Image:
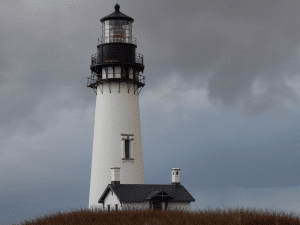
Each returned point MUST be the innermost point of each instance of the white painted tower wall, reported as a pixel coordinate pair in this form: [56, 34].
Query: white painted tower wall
[115, 113]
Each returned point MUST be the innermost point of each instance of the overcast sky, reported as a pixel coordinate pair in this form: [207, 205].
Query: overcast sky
[221, 101]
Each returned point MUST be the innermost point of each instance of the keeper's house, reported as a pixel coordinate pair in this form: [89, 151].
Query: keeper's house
[172, 196]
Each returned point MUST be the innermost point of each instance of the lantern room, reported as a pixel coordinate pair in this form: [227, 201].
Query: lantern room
[117, 27]
[116, 59]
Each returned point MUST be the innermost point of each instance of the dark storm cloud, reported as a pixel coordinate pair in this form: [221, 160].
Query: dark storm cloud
[225, 45]
[41, 57]
[233, 44]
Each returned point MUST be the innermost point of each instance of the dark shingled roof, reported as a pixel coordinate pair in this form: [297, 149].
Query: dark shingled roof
[116, 15]
[144, 192]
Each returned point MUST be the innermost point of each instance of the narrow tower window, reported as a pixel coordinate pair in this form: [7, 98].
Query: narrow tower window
[126, 146]
[126, 149]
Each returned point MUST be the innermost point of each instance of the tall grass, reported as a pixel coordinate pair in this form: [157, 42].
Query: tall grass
[235, 216]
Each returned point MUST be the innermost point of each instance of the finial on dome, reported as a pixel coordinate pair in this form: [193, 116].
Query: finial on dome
[117, 7]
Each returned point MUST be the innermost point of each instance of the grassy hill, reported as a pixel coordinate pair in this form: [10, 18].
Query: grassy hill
[155, 217]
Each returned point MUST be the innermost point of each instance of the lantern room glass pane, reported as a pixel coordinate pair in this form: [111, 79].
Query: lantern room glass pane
[128, 31]
[118, 31]
[106, 23]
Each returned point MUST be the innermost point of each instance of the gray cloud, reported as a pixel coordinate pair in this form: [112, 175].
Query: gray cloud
[239, 53]
[224, 46]
[234, 45]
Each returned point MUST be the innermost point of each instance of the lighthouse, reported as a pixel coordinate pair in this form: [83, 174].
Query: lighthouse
[117, 79]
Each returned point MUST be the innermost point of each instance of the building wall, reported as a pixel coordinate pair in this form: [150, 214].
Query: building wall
[139, 206]
[171, 206]
[111, 199]
[180, 206]
[115, 113]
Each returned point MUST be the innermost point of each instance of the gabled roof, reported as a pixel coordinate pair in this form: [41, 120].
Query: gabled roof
[144, 192]
[116, 15]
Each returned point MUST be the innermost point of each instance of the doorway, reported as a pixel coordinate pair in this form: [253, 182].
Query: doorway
[156, 204]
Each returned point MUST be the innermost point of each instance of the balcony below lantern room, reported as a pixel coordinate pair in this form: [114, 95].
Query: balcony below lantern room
[116, 74]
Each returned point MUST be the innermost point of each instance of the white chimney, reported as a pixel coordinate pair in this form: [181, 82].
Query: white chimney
[115, 175]
[175, 177]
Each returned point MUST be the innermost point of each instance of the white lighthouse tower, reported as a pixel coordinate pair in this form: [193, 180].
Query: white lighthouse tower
[117, 80]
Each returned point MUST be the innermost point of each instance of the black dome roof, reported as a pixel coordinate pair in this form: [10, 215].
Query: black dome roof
[116, 15]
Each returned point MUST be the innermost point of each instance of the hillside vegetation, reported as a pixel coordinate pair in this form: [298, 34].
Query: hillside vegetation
[156, 217]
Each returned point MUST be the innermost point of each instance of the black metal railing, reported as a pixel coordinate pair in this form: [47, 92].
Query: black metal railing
[139, 58]
[94, 78]
[90, 80]
[116, 39]
[94, 59]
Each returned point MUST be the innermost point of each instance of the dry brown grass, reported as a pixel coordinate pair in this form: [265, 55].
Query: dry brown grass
[153, 217]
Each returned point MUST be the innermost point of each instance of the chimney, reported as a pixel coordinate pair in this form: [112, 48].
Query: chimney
[115, 176]
[176, 177]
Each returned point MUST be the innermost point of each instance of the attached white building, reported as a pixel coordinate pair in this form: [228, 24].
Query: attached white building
[172, 196]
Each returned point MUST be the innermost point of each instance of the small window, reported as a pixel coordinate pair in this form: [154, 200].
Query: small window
[108, 207]
[126, 149]
[177, 173]
[116, 207]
